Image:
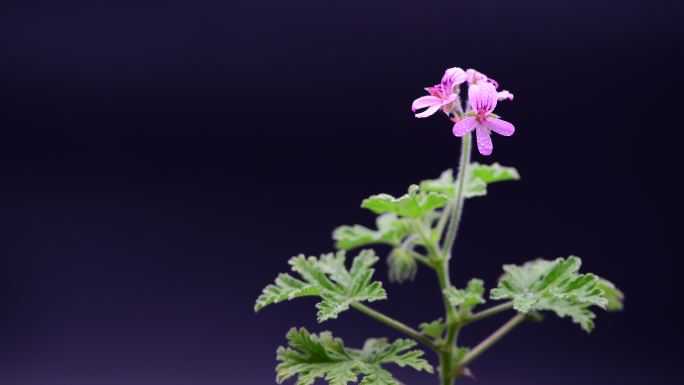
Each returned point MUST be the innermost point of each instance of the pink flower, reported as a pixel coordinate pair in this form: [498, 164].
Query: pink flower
[453, 77]
[442, 95]
[482, 97]
[475, 77]
[503, 95]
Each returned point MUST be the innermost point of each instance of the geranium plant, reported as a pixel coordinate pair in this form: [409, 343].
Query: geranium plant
[421, 227]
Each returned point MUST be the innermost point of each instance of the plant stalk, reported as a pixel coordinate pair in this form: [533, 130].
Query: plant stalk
[394, 324]
[446, 364]
[488, 312]
[459, 196]
[492, 339]
[445, 357]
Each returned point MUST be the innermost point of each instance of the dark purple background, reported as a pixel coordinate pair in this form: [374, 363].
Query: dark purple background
[161, 161]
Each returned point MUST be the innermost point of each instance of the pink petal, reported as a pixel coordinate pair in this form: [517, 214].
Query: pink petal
[464, 126]
[454, 76]
[494, 82]
[450, 99]
[425, 101]
[504, 95]
[429, 111]
[484, 141]
[474, 76]
[482, 97]
[501, 127]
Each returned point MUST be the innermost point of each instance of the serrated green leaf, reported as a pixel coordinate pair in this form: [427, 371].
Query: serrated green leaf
[613, 294]
[478, 177]
[328, 278]
[492, 173]
[379, 376]
[310, 356]
[286, 287]
[466, 299]
[380, 351]
[391, 230]
[402, 266]
[443, 185]
[434, 329]
[412, 205]
[578, 312]
[552, 285]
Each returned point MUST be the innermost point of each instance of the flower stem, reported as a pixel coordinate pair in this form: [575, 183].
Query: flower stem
[459, 196]
[492, 339]
[446, 364]
[394, 324]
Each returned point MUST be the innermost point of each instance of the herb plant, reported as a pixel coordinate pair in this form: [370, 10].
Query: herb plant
[421, 227]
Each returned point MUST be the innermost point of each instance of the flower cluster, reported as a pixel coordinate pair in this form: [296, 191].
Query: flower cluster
[478, 116]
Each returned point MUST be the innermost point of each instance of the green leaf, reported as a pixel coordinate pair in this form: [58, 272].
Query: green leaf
[391, 230]
[577, 311]
[466, 299]
[553, 285]
[412, 205]
[443, 185]
[402, 266]
[478, 177]
[492, 173]
[457, 357]
[328, 278]
[459, 353]
[613, 294]
[378, 351]
[286, 287]
[310, 356]
[434, 329]
[379, 376]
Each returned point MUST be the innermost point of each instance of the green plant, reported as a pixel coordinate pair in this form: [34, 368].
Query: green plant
[421, 227]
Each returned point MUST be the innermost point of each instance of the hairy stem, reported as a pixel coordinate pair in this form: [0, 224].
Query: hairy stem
[492, 339]
[459, 196]
[394, 324]
[445, 358]
[488, 312]
[447, 372]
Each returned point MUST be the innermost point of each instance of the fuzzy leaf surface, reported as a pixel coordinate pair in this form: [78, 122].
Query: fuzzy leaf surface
[477, 179]
[555, 286]
[434, 329]
[466, 299]
[414, 204]
[613, 294]
[309, 357]
[390, 230]
[328, 278]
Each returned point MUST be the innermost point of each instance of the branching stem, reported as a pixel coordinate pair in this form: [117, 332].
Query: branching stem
[446, 364]
[394, 324]
[492, 339]
[420, 258]
[488, 312]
